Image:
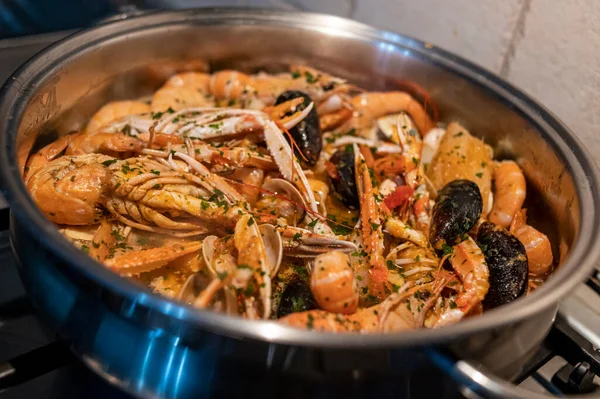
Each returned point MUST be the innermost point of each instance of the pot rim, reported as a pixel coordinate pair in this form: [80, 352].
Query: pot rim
[17, 91]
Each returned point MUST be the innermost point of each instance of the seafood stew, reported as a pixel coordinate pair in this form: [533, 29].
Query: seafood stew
[298, 197]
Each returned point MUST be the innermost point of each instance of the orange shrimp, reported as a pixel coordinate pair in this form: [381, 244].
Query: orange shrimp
[194, 80]
[47, 154]
[373, 105]
[103, 143]
[178, 98]
[537, 245]
[509, 193]
[113, 111]
[228, 84]
[333, 284]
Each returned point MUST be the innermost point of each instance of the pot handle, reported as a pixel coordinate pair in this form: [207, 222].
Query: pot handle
[477, 382]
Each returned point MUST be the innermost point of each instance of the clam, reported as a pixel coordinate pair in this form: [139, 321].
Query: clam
[224, 300]
[273, 246]
[271, 240]
[287, 189]
[389, 125]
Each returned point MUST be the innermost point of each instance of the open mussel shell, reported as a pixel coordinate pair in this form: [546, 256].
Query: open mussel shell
[307, 133]
[506, 259]
[343, 182]
[456, 210]
[287, 189]
[273, 247]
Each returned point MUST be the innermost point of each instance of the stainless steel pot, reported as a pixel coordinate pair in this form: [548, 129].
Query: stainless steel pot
[155, 347]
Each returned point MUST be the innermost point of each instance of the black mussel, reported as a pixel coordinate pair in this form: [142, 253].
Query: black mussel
[342, 178]
[507, 261]
[307, 133]
[455, 212]
[296, 297]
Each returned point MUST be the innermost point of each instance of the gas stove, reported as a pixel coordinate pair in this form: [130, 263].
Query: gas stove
[35, 363]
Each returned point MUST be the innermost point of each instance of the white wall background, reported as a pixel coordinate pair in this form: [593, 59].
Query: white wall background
[549, 48]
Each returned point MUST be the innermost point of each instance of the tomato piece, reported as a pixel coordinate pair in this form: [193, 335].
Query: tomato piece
[400, 195]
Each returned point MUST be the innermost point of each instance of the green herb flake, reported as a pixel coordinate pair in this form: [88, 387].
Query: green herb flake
[310, 323]
[222, 275]
[310, 77]
[313, 223]
[109, 162]
[446, 249]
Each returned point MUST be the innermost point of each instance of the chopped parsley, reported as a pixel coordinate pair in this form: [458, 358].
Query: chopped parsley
[310, 78]
[109, 162]
[222, 275]
[118, 236]
[310, 323]
[446, 249]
